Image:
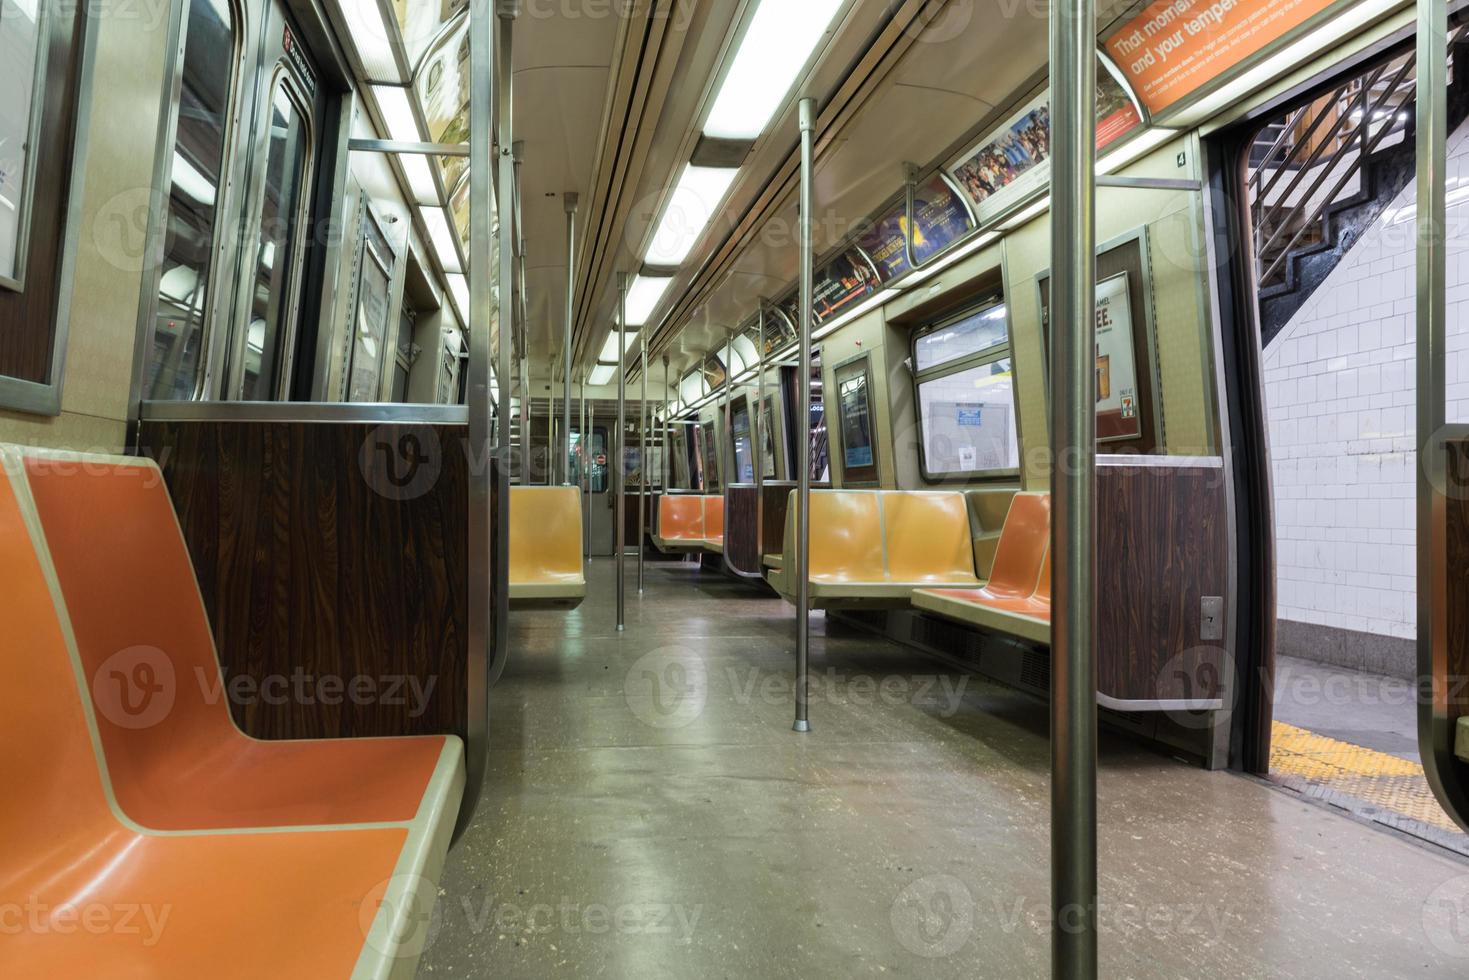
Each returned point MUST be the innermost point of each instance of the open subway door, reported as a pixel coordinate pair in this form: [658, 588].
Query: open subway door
[1443, 456]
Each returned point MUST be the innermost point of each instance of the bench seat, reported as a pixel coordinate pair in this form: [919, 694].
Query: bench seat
[1017, 598]
[690, 522]
[1461, 738]
[133, 788]
[873, 548]
[546, 547]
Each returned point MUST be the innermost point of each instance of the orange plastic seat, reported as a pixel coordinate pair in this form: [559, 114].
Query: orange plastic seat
[137, 617]
[1017, 598]
[103, 897]
[546, 546]
[714, 523]
[680, 523]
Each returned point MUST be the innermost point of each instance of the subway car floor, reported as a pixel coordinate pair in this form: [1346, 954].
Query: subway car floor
[650, 813]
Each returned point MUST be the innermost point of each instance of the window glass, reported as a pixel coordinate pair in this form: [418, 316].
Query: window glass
[767, 436]
[270, 313]
[859, 461]
[711, 462]
[21, 41]
[179, 335]
[968, 420]
[975, 334]
[599, 461]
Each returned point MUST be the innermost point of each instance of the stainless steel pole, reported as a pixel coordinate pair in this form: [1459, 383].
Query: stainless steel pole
[643, 462]
[667, 430]
[484, 606]
[1073, 531]
[760, 419]
[732, 460]
[525, 420]
[589, 410]
[619, 457]
[507, 11]
[802, 565]
[571, 201]
[551, 429]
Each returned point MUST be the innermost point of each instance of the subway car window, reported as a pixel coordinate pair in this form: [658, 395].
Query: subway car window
[186, 283]
[265, 343]
[22, 35]
[965, 381]
[370, 337]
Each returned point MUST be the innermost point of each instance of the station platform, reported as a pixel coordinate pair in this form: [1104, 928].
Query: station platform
[649, 812]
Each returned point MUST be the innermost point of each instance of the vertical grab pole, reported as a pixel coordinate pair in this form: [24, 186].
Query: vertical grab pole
[1073, 531]
[507, 11]
[759, 429]
[667, 431]
[571, 201]
[643, 463]
[589, 414]
[484, 608]
[619, 457]
[802, 567]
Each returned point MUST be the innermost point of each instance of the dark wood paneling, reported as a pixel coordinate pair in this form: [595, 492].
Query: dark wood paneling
[630, 515]
[1456, 566]
[1162, 545]
[776, 500]
[28, 318]
[742, 528]
[330, 550]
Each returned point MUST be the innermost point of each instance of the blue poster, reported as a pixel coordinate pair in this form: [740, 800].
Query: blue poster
[971, 415]
[940, 219]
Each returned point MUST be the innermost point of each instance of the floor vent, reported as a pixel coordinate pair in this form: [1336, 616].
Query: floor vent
[1035, 669]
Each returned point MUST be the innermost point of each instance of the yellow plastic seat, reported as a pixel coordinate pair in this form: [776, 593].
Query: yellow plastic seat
[546, 547]
[872, 548]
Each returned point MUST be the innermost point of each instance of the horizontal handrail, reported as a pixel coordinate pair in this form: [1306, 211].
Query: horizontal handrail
[304, 412]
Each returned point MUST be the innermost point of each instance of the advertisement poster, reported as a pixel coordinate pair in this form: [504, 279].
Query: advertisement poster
[856, 419]
[1117, 409]
[1006, 165]
[844, 282]
[939, 219]
[443, 91]
[1174, 48]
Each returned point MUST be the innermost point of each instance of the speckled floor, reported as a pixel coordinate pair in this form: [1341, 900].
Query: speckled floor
[649, 813]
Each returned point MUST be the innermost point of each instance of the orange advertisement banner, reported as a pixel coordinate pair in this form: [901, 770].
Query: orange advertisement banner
[1176, 47]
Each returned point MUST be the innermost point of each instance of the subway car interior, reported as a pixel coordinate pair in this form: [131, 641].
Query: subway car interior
[748, 488]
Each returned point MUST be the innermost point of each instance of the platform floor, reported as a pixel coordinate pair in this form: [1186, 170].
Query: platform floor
[649, 813]
[1349, 739]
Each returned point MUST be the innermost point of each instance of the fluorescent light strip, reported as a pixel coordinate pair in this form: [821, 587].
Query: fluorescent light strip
[644, 294]
[459, 291]
[771, 56]
[610, 353]
[444, 238]
[601, 374]
[866, 306]
[694, 203]
[369, 34]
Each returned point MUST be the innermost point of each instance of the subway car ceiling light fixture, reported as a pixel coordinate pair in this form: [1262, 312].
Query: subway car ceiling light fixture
[610, 353]
[372, 39]
[402, 124]
[771, 56]
[602, 374]
[644, 294]
[444, 240]
[459, 291]
[694, 203]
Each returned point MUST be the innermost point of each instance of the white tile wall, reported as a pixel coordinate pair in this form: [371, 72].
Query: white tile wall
[1339, 388]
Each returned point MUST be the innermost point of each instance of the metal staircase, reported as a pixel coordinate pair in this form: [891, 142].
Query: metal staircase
[1322, 174]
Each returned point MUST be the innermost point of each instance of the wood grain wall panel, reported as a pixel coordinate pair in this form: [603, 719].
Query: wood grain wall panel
[321, 553]
[630, 515]
[742, 529]
[1162, 546]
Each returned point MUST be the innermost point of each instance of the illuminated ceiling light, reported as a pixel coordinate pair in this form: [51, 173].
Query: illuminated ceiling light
[644, 294]
[443, 238]
[602, 374]
[610, 353]
[694, 203]
[398, 114]
[772, 54]
[459, 290]
[369, 34]
[1134, 149]
[189, 180]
